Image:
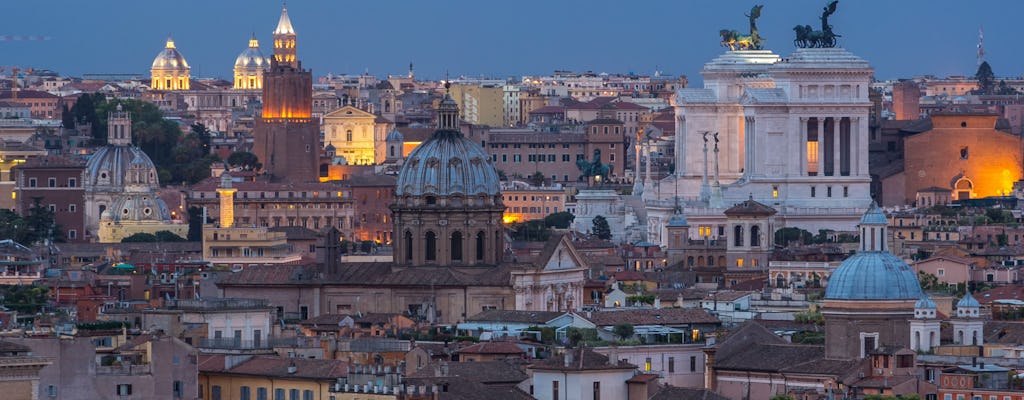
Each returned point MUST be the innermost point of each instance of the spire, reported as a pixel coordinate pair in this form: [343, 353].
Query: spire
[170, 42]
[284, 25]
[873, 229]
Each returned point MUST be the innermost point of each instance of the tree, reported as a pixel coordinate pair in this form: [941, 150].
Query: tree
[140, 237]
[532, 231]
[25, 299]
[573, 336]
[40, 223]
[927, 281]
[601, 228]
[559, 220]
[537, 179]
[168, 236]
[245, 160]
[623, 331]
[195, 224]
[787, 236]
[986, 79]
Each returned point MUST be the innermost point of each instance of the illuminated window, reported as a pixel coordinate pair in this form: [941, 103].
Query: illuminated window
[739, 262]
[775, 192]
[647, 365]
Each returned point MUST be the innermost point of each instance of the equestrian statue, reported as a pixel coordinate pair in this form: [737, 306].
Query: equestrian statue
[594, 169]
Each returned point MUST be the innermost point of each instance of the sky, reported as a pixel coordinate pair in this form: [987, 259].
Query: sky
[499, 39]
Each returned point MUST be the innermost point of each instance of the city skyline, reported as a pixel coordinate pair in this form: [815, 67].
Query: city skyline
[534, 38]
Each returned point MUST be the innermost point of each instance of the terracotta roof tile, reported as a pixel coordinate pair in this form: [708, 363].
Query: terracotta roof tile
[583, 359]
[492, 348]
[305, 368]
[651, 316]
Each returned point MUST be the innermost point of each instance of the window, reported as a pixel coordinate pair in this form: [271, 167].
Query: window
[125, 389]
[813, 191]
[293, 394]
[31, 182]
[597, 390]
[693, 363]
[178, 388]
[828, 191]
[671, 364]
[307, 395]
[72, 234]
[244, 393]
[348, 136]
[775, 192]
[215, 392]
[554, 389]
[51, 390]
[940, 272]
[279, 394]
[72, 208]
[51, 182]
[431, 247]
[647, 364]
[846, 191]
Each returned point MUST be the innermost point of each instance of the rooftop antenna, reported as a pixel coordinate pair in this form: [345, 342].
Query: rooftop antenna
[981, 45]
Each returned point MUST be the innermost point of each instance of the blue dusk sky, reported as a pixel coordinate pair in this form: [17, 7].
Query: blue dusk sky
[502, 38]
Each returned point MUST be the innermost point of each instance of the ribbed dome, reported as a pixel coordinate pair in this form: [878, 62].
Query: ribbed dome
[138, 207]
[873, 275]
[447, 164]
[107, 167]
[169, 58]
[968, 301]
[252, 57]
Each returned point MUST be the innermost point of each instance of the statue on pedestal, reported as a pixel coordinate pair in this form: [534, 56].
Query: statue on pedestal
[735, 40]
[807, 37]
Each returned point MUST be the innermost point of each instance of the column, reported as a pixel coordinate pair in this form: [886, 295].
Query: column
[821, 146]
[802, 145]
[836, 147]
[861, 133]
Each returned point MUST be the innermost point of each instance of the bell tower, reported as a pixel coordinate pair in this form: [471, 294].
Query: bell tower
[284, 41]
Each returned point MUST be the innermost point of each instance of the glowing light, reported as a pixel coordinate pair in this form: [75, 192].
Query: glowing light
[510, 218]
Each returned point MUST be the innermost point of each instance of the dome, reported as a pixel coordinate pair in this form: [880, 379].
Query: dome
[169, 58]
[142, 206]
[252, 57]
[107, 167]
[874, 216]
[446, 164]
[967, 301]
[925, 303]
[873, 275]
[394, 136]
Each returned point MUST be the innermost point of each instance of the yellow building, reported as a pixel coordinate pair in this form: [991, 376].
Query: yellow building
[271, 377]
[480, 105]
[524, 202]
[355, 135]
[170, 71]
[249, 67]
[225, 243]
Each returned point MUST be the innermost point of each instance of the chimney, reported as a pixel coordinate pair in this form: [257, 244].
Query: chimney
[613, 355]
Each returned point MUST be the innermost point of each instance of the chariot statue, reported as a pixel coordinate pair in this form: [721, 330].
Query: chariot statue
[735, 40]
[807, 37]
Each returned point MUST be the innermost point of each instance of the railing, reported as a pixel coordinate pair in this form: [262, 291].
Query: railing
[141, 369]
[234, 344]
[218, 304]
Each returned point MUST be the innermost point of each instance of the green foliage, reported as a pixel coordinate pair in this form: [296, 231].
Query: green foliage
[140, 237]
[84, 112]
[641, 298]
[547, 334]
[100, 325]
[623, 331]
[502, 176]
[601, 228]
[168, 236]
[986, 79]
[559, 220]
[810, 316]
[999, 215]
[537, 178]
[245, 160]
[195, 224]
[531, 231]
[786, 236]
[35, 227]
[25, 299]
[574, 336]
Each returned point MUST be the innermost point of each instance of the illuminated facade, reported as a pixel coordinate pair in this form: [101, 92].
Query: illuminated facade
[286, 138]
[170, 71]
[226, 243]
[249, 67]
[964, 153]
[354, 134]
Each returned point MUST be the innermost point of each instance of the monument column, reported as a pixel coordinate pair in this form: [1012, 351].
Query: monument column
[821, 146]
[802, 145]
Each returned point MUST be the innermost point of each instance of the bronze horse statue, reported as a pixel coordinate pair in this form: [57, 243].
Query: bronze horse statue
[735, 40]
[807, 37]
[594, 168]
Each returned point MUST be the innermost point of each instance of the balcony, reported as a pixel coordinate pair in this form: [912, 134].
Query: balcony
[127, 369]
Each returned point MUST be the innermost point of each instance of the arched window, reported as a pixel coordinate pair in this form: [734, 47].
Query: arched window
[755, 235]
[711, 261]
[457, 246]
[408, 246]
[392, 151]
[689, 261]
[431, 246]
[480, 246]
[737, 236]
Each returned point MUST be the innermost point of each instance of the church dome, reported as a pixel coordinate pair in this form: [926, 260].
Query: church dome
[252, 57]
[138, 206]
[873, 275]
[169, 58]
[968, 301]
[107, 167]
[394, 136]
[925, 303]
[448, 163]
